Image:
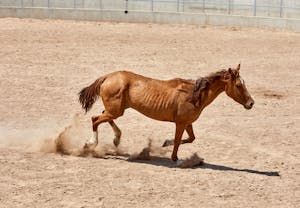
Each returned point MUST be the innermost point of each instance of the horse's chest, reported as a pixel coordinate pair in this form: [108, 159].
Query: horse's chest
[187, 113]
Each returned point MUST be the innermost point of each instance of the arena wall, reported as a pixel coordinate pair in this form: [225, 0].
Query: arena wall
[173, 12]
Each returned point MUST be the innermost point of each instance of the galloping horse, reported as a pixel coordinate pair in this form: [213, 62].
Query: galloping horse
[177, 100]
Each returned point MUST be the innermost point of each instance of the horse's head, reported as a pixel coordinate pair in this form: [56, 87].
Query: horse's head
[236, 89]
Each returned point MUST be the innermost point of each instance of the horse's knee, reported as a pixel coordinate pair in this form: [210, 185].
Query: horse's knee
[190, 140]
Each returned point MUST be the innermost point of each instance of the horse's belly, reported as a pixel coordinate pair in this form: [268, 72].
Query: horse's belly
[157, 114]
[162, 113]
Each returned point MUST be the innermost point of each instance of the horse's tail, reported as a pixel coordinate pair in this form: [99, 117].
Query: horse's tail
[89, 95]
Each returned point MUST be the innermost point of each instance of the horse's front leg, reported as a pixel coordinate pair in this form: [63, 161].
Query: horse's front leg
[190, 132]
[178, 134]
[190, 139]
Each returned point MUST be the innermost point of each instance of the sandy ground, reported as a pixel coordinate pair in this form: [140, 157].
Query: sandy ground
[44, 64]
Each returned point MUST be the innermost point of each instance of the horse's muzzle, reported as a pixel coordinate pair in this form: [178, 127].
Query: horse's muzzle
[249, 104]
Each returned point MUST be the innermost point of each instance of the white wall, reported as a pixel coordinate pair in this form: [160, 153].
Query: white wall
[268, 8]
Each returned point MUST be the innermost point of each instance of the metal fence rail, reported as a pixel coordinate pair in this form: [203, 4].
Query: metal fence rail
[264, 8]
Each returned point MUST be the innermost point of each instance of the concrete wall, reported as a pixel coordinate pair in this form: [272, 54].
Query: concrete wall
[268, 8]
[154, 17]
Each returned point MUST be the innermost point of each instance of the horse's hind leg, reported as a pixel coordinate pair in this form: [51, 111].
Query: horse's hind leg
[117, 133]
[97, 120]
[115, 128]
[113, 101]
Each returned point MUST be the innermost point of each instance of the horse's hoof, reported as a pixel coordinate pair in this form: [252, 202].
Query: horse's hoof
[168, 143]
[117, 141]
[85, 146]
[89, 146]
[179, 163]
[174, 158]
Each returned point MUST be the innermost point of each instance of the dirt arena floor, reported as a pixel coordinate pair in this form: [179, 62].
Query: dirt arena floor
[252, 158]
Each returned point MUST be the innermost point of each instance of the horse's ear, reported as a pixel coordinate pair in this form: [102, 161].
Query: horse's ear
[227, 75]
[234, 72]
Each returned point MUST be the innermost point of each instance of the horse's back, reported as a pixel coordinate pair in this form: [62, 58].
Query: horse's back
[129, 76]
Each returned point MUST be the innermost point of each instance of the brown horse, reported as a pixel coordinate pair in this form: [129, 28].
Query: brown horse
[177, 100]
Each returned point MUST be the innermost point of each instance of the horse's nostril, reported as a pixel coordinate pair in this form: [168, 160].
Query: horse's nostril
[249, 104]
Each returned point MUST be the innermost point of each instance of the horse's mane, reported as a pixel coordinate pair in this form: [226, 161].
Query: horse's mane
[215, 76]
[202, 83]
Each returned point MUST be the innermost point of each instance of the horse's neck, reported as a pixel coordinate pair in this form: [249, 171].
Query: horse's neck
[214, 89]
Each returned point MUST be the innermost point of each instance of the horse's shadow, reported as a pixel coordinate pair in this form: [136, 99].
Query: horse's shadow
[226, 168]
[166, 162]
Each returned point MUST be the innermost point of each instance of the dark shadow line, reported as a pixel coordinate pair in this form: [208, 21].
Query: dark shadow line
[226, 168]
[166, 162]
